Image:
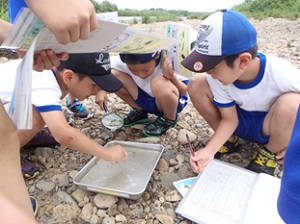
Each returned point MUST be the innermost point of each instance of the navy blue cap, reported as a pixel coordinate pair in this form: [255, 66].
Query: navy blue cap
[135, 59]
[96, 66]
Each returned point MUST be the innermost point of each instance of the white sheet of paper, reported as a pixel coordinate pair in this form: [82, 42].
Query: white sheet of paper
[228, 194]
[220, 195]
[20, 109]
[262, 207]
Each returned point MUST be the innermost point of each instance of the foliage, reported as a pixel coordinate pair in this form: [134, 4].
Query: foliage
[4, 10]
[105, 6]
[261, 9]
[258, 9]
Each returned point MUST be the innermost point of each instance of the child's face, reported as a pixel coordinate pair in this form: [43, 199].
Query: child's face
[225, 74]
[143, 70]
[84, 88]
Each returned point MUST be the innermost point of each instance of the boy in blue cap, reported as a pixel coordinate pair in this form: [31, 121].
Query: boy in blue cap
[243, 93]
[150, 86]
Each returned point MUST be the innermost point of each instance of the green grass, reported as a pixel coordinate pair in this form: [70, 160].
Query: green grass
[4, 10]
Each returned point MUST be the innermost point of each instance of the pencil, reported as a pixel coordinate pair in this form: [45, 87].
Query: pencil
[191, 147]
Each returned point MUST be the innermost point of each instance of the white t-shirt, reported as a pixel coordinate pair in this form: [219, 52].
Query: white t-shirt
[144, 84]
[276, 77]
[46, 92]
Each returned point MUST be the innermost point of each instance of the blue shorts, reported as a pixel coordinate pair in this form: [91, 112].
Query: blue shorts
[250, 125]
[148, 103]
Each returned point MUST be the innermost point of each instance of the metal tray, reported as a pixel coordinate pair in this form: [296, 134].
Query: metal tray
[128, 179]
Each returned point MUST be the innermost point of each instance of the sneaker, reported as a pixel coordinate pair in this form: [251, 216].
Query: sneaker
[41, 139]
[78, 109]
[29, 170]
[228, 148]
[263, 162]
[136, 116]
[159, 126]
[34, 205]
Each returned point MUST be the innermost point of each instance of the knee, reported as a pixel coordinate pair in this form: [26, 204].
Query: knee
[159, 85]
[197, 86]
[37, 121]
[287, 106]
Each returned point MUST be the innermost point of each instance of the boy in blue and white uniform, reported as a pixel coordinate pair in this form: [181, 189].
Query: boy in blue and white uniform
[150, 86]
[83, 75]
[243, 93]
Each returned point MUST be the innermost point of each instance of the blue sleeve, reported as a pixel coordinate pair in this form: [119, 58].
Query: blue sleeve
[14, 7]
[288, 202]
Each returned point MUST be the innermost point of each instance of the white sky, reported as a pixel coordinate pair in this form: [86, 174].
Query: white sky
[190, 5]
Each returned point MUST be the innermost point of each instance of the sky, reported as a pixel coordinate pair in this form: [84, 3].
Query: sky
[190, 5]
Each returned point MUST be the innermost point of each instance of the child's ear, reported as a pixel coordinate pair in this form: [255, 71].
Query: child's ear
[68, 75]
[244, 60]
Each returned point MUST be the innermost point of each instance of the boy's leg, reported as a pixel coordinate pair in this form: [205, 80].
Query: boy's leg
[37, 124]
[12, 187]
[166, 97]
[278, 124]
[128, 93]
[202, 99]
[280, 120]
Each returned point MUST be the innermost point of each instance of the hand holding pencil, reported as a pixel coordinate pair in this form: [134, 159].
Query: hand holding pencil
[199, 159]
[191, 147]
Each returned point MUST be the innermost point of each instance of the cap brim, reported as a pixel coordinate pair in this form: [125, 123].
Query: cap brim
[109, 83]
[197, 62]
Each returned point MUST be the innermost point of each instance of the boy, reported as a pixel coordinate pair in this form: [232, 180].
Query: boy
[82, 75]
[75, 107]
[150, 86]
[244, 93]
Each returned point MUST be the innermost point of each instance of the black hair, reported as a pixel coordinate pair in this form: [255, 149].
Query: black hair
[231, 58]
[80, 75]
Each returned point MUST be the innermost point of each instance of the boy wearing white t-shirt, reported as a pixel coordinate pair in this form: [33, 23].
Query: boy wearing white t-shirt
[150, 86]
[243, 93]
[83, 75]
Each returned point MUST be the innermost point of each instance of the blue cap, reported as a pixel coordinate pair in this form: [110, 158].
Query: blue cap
[223, 33]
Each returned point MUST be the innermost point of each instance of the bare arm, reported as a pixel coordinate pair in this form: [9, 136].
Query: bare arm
[227, 125]
[76, 140]
[14, 198]
[5, 27]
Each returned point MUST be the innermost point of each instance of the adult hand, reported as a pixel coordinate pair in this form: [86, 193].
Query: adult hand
[68, 20]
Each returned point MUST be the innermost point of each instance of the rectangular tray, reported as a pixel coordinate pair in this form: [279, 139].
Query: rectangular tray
[128, 179]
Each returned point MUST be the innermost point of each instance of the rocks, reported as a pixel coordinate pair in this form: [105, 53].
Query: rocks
[61, 201]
